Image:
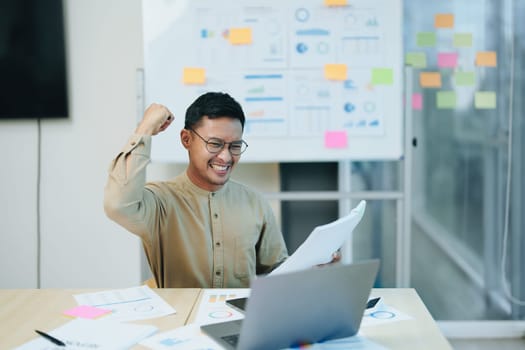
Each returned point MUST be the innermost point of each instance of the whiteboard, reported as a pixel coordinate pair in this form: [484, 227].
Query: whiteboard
[316, 82]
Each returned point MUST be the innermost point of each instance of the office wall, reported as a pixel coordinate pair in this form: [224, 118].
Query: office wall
[80, 247]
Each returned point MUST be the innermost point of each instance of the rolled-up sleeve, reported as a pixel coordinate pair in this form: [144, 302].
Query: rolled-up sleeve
[126, 200]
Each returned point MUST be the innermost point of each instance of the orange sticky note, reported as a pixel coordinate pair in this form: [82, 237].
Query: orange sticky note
[335, 2]
[486, 59]
[194, 76]
[444, 20]
[336, 71]
[430, 79]
[240, 36]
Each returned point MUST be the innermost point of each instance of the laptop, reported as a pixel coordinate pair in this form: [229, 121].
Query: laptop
[297, 308]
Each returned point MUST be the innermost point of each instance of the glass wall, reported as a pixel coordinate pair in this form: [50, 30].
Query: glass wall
[466, 79]
[466, 102]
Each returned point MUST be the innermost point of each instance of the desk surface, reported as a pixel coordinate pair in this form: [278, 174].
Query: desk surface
[24, 310]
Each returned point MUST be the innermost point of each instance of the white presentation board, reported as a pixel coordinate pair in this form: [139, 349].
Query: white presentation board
[316, 82]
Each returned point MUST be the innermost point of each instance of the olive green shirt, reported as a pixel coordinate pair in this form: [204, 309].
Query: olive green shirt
[192, 237]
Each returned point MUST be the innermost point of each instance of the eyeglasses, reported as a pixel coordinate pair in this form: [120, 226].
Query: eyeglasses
[215, 145]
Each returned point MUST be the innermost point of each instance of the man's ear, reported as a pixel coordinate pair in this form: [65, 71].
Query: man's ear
[185, 138]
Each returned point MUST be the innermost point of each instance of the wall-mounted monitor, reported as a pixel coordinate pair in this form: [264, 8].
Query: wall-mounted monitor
[33, 70]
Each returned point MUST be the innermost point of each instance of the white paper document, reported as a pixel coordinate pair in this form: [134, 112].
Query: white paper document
[130, 304]
[213, 308]
[381, 314]
[189, 337]
[323, 242]
[93, 334]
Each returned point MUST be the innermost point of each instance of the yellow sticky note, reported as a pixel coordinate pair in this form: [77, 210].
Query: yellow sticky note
[194, 76]
[444, 20]
[382, 76]
[335, 2]
[462, 40]
[485, 100]
[240, 36]
[335, 71]
[430, 79]
[486, 59]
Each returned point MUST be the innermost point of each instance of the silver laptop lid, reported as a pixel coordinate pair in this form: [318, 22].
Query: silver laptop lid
[307, 306]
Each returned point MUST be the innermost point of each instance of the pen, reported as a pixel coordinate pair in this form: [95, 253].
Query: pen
[50, 338]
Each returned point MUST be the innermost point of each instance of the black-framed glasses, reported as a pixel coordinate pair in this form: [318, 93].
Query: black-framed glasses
[215, 145]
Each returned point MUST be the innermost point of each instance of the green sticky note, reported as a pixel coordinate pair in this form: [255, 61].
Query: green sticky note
[382, 76]
[465, 78]
[416, 59]
[462, 40]
[426, 39]
[446, 99]
[485, 100]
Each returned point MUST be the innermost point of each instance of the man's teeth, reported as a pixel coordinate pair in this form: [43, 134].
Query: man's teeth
[219, 167]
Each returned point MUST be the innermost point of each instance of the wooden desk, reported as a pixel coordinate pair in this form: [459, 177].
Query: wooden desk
[421, 332]
[24, 310]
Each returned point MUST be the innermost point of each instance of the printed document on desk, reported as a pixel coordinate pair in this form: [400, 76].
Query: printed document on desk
[93, 334]
[129, 304]
[323, 242]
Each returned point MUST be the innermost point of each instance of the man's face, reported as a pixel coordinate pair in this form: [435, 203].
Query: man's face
[210, 171]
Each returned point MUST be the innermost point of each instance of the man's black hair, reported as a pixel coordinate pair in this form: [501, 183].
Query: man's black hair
[213, 105]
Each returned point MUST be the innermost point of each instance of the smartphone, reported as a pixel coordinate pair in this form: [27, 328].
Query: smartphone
[238, 304]
[372, 302]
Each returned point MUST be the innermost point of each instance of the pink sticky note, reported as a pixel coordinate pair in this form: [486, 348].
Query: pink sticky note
[447, 59]
[417, 101]
[335, 139]
[86, 311]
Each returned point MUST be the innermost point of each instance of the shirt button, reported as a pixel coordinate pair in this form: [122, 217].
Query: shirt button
[218, 244]
[215, 215]
[218, 273]
[213, 194]
[133, 143]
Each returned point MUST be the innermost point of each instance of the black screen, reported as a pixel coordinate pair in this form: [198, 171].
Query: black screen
[32, 60]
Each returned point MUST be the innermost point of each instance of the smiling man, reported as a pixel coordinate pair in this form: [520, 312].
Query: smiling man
[199, 229]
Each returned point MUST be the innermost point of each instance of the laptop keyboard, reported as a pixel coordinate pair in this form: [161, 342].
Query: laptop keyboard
[231, 339]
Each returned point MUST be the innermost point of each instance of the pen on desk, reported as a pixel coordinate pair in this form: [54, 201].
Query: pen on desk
[50, 338]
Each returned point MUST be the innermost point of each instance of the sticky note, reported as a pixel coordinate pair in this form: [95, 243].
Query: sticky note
[447, 59]
[336, 71]
[446, 99]
[465, 78]
[444, 20]
[335, 2]
[462, 40]
[426, 39]
[485, 100]
[86, 311]
[416, 59]
[486, 59]
[194, 75]
[335, 139]
[382, 76]
[430, 79]
[417, 101]
[240, 36]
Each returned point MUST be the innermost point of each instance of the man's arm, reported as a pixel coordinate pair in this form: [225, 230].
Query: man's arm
[271, 249]
[125, 199]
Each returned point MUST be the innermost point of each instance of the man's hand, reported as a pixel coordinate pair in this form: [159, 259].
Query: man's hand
[156, 119]
[336, 257]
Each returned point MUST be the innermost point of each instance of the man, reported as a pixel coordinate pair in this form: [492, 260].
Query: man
[200, 229]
